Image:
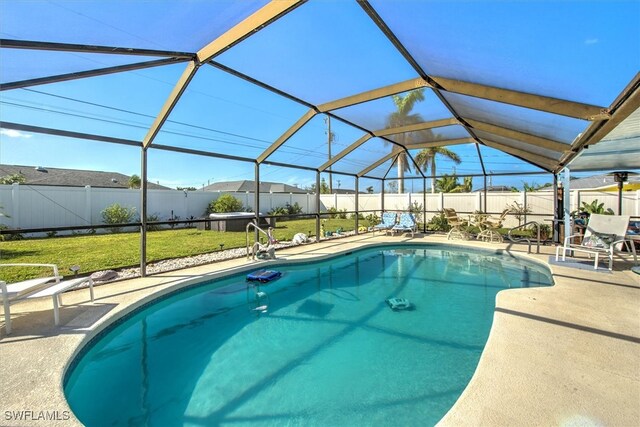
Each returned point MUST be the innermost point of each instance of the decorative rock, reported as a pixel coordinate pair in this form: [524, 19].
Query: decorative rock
[104, 276]
[299, 239]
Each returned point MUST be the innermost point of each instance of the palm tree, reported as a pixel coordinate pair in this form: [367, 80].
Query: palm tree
[447, 183]
[426, 158]
[134, 181]
[401, 117]
[465, 187]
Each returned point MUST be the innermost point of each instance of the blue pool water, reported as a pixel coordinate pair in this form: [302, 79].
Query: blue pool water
[328, 352]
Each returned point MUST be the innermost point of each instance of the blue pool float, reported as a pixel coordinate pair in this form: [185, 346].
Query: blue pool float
[263, 276]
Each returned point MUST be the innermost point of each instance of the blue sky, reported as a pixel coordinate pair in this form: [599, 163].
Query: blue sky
[582, 51]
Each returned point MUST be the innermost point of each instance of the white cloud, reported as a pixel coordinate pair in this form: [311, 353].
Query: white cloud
[11, 133]
[591, 41]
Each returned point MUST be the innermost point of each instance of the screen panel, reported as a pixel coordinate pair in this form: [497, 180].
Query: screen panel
[309, 146]
[221, 113]
[552, 126]
[496, 161]
[551, 48]
[430, 135]
[102, 105]
[382, 113]
[177, 26]
[363, 156]
[519, 145]
[319, 52]
[21, 64]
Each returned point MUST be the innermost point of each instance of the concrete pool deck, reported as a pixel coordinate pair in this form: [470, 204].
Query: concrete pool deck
[562, 355]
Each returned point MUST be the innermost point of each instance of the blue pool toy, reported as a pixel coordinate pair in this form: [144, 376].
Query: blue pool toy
[263, 276]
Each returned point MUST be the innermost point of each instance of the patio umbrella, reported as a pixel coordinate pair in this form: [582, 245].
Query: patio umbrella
[620, 177]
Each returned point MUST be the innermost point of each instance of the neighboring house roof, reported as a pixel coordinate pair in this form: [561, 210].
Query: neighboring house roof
[495, 188]
[246, 185]
[36, 175]
[599, 182]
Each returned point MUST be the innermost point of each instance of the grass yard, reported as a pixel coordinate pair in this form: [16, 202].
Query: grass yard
[111, 251]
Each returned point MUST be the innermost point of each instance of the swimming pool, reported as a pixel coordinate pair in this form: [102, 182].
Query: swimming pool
[328, 351]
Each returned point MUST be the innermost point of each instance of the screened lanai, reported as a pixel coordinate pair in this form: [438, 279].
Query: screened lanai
[267, 84]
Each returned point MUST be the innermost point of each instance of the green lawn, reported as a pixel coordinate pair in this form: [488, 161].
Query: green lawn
[111, 251]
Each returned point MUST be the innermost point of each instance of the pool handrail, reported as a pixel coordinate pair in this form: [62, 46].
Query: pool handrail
[253, 249]
[516, 240]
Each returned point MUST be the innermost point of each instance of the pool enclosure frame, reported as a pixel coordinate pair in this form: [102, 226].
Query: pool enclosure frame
[602, 119]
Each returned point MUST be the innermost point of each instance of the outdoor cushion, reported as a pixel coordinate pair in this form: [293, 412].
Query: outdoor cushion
[599, 240]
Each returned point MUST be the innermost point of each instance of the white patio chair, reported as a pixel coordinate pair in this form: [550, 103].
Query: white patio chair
[49, 286]
[604, 236]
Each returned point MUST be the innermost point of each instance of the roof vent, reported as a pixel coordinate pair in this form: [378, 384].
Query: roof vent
[40, 169]
[114, 180]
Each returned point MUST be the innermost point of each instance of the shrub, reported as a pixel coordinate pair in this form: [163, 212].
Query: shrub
[295, 209]
[519, 211]
[279, 211]
[225, 203]
[9, 237]
[287, 210]
[416, 209]
[337, 213]
[13, 179]
[153, 218]
[438, 223]
[116, 214]
[372, 219]
[593, 208]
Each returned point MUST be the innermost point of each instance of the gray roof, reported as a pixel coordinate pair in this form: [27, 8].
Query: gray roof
[246, 185]
[594, 182]
[597, 181]
[38, 175]
[495, 188]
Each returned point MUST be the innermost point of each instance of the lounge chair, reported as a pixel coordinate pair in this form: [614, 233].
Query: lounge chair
[407, 223]
[457, 224]
[604, 236]
[11, 293]
[489, 227]
[388, 221]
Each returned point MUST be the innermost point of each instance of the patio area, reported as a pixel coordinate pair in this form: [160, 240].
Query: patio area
[321, 117]
[564, 355]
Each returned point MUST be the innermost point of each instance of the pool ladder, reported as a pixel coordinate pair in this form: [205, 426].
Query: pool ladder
[516, 240]
[257, 247]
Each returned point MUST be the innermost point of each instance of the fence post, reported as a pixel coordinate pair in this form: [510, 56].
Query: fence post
[479, 201]
[524, 203]
[637, 202]
[409, 198]
[15, 201]
[87, 204]
[441, 201]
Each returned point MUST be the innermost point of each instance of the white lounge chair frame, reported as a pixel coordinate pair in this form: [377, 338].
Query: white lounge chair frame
[12, 293]
[601, 224]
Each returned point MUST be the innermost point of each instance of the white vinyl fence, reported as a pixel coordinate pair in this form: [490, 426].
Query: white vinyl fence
[29, 207]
